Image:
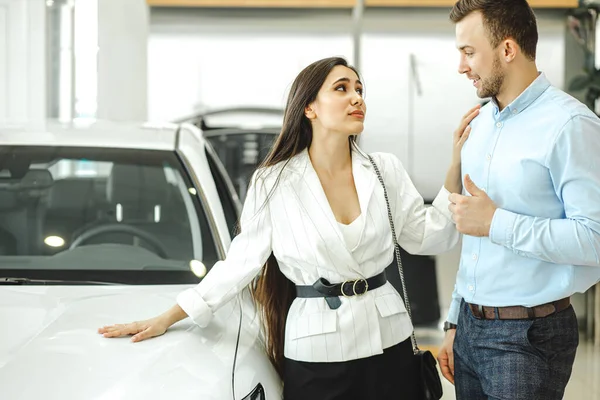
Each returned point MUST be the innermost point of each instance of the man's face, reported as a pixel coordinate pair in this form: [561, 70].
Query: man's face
[478, 60]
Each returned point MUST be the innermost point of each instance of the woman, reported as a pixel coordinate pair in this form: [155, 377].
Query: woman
[315, 215]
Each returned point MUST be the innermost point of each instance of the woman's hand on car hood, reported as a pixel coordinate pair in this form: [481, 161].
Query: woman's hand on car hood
[140, 330]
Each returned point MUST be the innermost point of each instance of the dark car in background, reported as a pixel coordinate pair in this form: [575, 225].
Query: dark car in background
[241, 138]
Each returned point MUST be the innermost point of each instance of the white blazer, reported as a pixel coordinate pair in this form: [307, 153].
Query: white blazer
[298, 226]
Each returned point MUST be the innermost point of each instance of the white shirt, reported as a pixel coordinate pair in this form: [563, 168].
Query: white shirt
[299, 228]
[352, 232]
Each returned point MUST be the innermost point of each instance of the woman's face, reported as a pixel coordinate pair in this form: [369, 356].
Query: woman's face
[339, 106]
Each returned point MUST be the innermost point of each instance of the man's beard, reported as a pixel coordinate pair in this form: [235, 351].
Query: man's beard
[490, 87]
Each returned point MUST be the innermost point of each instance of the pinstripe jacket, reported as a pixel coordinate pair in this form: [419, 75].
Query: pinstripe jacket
[296, 224]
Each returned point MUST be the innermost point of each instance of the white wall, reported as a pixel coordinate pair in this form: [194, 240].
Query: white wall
[598, 61]
[187, 73]
[22, 62]
[208, 58]
[122, 60]
[215, 59]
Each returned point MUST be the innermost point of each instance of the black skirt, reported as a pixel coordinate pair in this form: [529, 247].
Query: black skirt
[387, 376]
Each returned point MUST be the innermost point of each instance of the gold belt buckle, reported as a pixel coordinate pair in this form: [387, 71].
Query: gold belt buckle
[354, 287]
[342, 289]
[366, 287]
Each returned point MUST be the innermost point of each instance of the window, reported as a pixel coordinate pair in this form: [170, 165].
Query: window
[125, 215]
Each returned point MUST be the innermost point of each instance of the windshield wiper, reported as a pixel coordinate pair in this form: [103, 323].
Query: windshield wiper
[29, 281]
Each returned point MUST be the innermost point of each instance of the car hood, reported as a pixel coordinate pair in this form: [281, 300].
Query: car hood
[50, 348]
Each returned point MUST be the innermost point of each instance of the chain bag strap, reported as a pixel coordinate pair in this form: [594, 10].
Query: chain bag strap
[397, 250]
[431, 385]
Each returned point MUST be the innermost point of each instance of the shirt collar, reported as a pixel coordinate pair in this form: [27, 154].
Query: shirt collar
[524, 100]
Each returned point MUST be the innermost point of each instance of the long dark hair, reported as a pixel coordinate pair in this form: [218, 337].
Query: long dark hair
[272, 291]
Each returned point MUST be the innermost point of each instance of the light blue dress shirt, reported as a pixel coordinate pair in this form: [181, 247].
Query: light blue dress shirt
[539, 161]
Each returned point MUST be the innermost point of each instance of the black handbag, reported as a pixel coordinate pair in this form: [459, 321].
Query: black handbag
[429, 378]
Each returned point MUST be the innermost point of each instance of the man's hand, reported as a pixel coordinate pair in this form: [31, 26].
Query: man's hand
[472, 214]
[446, 356]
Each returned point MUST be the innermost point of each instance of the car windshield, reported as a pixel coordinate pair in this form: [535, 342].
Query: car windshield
[101, 214]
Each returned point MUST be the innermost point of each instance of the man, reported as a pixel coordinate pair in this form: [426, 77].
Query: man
[530, 217]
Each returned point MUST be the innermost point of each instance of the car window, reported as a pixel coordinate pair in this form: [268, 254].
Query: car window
[241, 152]
[225, 195]
[121, 215]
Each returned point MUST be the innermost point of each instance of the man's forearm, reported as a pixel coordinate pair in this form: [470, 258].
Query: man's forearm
[559, 241]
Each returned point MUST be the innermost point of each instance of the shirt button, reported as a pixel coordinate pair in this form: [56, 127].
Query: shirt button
[474, 256]
[499, 124]
[488, 157]
[515, 111]
[471, 288]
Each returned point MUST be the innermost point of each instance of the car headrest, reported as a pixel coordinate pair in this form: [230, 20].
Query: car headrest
[137, 185]
[33, 184]
[8, 200]
[36, 179]
[70, 194]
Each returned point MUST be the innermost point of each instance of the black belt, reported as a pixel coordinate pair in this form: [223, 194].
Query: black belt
[332, 293]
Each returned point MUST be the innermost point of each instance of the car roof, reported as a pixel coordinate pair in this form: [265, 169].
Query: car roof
[241, 118]
[94, 133]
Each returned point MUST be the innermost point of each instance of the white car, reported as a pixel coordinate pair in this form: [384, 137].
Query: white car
[106, 223]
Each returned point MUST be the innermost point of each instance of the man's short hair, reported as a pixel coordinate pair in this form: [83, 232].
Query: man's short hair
[503, 19]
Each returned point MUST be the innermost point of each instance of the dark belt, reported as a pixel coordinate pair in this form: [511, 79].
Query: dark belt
[519, 312]
[332, 292]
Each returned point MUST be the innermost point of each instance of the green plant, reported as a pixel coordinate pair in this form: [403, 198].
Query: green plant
[582, 25]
